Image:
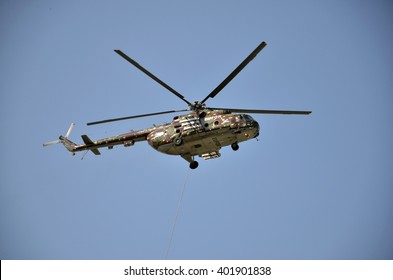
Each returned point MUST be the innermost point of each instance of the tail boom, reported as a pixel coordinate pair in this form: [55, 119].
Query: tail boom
[127, 139]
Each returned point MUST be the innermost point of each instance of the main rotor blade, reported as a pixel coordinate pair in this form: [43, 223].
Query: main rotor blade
[286, 112]
[134, 117]
[137, 65]
[235, 72]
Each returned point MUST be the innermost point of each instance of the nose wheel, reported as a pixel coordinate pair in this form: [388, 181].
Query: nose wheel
[235, 146]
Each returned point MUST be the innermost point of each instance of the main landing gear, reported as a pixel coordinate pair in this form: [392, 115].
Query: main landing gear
[194, 164]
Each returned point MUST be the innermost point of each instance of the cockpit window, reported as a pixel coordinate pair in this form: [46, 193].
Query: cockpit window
[249, 118]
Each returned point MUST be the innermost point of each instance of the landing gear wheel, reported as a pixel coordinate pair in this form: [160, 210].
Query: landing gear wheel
[178, 141]
[235, 146]
[194, 164]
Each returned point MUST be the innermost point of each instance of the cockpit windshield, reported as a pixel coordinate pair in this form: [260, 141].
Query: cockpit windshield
[248, 118]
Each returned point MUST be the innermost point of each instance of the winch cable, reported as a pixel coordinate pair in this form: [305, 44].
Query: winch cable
[177, 213]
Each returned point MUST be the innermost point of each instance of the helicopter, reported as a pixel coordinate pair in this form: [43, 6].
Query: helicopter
[202, 132]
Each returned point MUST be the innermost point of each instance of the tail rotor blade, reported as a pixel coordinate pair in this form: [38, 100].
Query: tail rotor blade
[70, 130]
[51, 143]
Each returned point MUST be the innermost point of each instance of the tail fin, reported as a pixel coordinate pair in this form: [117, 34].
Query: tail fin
[70, 146]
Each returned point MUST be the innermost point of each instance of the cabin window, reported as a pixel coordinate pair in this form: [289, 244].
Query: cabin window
[202, 115]
[216, 122]
[206, 124]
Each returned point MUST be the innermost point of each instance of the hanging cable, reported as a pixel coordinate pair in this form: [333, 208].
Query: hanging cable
[177, 214]
[84, 155]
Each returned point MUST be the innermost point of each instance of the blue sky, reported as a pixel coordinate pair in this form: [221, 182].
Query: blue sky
[312, 187]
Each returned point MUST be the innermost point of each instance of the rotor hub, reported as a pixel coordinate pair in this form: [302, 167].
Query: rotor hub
[197, 106]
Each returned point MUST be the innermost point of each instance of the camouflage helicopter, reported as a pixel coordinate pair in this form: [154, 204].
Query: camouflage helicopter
[201, 132]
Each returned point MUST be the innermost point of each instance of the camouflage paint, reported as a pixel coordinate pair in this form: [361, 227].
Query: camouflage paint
[201, 133]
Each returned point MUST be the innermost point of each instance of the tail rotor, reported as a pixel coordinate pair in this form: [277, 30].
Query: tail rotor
[61, 138]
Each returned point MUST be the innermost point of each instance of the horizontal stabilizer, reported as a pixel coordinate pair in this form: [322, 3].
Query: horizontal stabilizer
[96, 152]
[88, 142]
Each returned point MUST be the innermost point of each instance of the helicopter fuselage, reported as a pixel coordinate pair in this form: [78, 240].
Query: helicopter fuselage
[202, 133]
